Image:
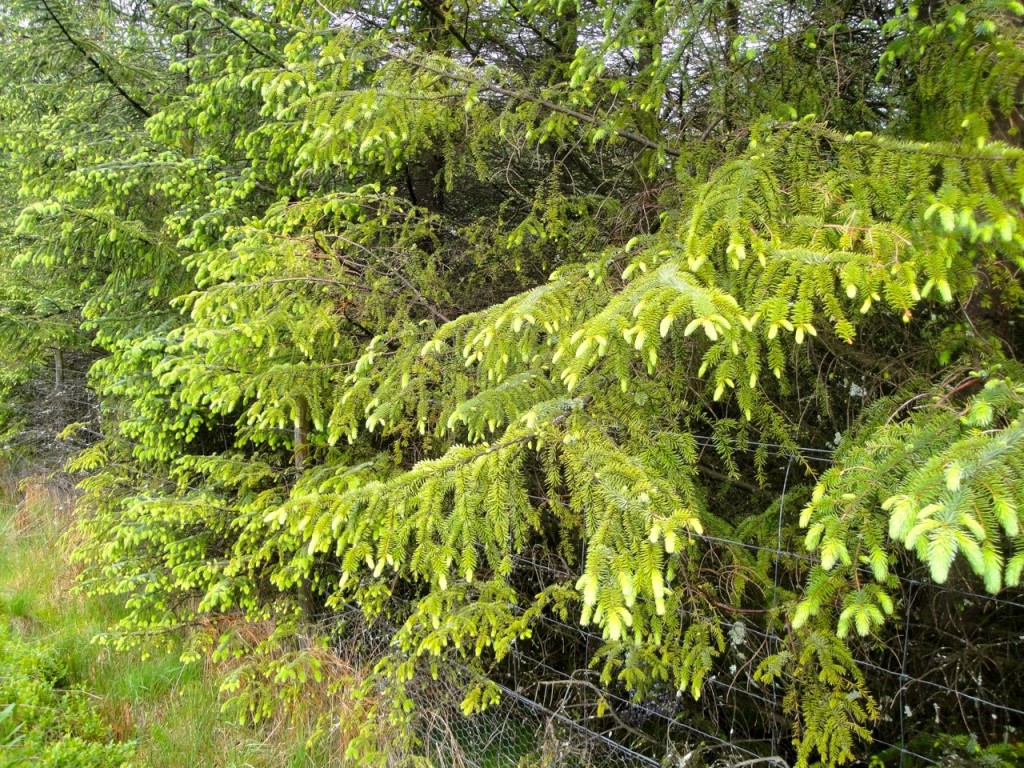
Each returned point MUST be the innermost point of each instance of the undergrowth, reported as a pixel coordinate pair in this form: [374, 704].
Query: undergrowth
[68, 702]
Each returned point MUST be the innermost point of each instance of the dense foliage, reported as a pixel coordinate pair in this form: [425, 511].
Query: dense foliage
[474, 315]
[45, 721]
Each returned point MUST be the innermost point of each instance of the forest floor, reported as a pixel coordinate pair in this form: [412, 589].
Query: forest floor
[67, 701]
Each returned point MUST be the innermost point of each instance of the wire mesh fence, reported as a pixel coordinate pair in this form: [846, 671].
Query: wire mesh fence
[950, 672]
[550, 717]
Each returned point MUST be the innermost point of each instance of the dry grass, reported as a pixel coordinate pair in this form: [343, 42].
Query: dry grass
[333, 706]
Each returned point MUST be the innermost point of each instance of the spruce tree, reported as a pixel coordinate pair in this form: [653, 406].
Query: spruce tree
[471, 317]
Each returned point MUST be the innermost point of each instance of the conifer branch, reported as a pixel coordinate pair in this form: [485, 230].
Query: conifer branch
[239, 36]
[539, 100]
[93, 62]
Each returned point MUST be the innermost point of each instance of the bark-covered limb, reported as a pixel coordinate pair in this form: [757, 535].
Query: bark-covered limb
[95, 64]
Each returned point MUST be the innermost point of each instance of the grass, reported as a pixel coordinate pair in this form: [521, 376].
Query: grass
[170, 710]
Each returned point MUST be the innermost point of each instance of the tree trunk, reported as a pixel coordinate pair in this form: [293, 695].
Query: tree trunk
[306, 598]
[301, 448]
